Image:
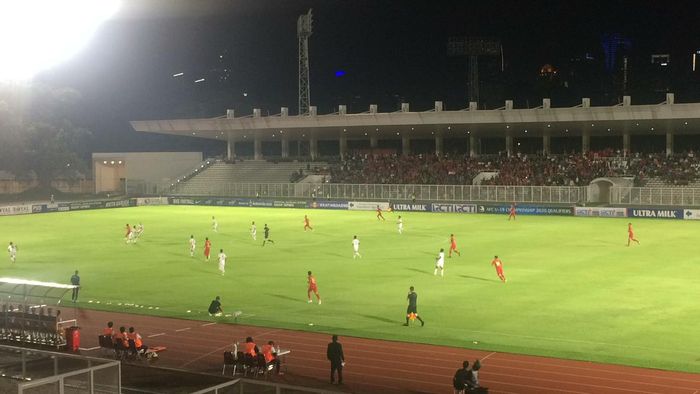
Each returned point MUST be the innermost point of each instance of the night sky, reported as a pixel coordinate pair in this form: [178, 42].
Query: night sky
[389, 51]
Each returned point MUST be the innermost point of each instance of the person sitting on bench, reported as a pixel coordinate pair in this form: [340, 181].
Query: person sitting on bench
[138, 341]
[271, 359]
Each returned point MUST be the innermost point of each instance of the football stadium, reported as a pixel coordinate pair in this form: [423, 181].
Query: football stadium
[178, 218]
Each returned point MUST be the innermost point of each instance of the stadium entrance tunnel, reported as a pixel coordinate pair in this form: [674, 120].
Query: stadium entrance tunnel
[600, 190]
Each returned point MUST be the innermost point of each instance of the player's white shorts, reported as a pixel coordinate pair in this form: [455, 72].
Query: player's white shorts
[222, 267]
[356, 249]
[439, 264]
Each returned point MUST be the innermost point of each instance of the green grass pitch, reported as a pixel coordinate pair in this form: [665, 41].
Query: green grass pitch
[574, 289]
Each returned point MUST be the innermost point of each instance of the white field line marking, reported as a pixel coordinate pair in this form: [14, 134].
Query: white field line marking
[208, 324]
[183, 329]
[89, 348]
[262, 334]
[488, 355]
[156, 335]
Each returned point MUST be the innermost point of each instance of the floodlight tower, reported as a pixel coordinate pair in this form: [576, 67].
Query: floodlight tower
[472, 48]
[303, 33]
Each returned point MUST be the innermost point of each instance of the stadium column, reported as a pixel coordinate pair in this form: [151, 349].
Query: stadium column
[343, 145]
[257, 148]
[285, 146]
[373, 141]
[669, 143]
[405, 145]
[546, 142]
[473, 148]
[438, 144]
[313, 148]
[585, 142]
[626, 143]
[230, 149]
[509, 144]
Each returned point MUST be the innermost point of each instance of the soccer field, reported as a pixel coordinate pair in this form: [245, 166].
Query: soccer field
[574, 289]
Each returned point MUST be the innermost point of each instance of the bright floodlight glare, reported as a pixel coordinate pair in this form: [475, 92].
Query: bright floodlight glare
[38, 34]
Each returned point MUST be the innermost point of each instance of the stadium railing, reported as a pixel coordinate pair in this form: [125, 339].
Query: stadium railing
[661, 196]
[244, 386]
[390, 192]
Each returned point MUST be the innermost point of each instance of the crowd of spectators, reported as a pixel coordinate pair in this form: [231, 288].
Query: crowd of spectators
[520, 169]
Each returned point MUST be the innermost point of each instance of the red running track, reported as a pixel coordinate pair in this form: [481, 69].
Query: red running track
[375, 366]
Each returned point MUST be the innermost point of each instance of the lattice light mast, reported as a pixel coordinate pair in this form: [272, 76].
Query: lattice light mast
[472, 48]
[304, 30]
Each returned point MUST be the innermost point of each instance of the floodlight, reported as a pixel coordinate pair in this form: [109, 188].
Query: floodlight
[37, 34]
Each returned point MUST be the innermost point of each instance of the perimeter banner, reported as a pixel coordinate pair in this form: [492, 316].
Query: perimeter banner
[655, 213]
[367, 205]
[456, 208]
[603, 212]
[527, 210]
[691, 214]
[15, 210]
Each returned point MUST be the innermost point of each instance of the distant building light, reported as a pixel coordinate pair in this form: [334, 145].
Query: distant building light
[120, 162]
[664, 64]
[111, 162]
[178, 75]
[199, 80]
[104, 162]
[245, 94]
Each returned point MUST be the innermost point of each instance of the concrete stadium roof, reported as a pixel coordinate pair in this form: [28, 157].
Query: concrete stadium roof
[555, 122]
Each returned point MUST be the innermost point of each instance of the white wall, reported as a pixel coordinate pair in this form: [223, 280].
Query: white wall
[160, 166]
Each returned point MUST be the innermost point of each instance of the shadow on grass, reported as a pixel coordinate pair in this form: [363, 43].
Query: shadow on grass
[420, 271]
[478, 278]
[381, 319]
[284, 297]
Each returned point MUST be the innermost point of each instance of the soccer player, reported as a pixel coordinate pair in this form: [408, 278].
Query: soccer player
[313, 287]
[511, 215]
[222, 261]
[12, 250]
[306, 223]
[399, 224]
[630, 235]
[356, 248]
[128, 233]
[207, 248]
[499, 268]
[379, 213]
[266, 230]
[193, 244]
[412, 310]
[440, 263]
[214, 224]
[254, 231]
[453, 246]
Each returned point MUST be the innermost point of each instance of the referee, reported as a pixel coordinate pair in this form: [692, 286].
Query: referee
[413, 307]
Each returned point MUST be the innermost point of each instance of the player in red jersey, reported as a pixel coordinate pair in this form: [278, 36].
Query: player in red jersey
[313, 287]
[128, 232]
[630, 235]
[511, 215]
[453, 246]
[207, 248]
[499, 268]
[379, 213]
[306, 223]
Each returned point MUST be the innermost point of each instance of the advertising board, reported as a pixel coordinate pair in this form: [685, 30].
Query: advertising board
[367, 205]
[457, 208]
[655, 213]
[527, 210]
[411, 207]
[691, 214]
[15, 210]
[329, 204]
[607, 212]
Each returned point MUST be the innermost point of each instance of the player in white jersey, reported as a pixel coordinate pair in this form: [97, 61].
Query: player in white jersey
[399, 224]
[214, 224]
[356, 247]
[440, 263]
[139, 230]
[222, 261]
[12, 250]
[193, 245]
[254, 231]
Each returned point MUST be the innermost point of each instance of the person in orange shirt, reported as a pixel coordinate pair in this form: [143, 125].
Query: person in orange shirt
[128, 232]
[306, 223]
[313, 287]
[207, 248]
[121, 340]
[138, 341]
[270, 355]
[499, 268]
[511, 214]
[453, 246]
[630, 235]
[250, 347]
[109, 331]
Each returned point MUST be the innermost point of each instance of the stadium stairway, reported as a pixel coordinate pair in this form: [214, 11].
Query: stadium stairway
[248, 171]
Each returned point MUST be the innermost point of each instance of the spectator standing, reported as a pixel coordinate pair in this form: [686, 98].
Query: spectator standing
[75, 281]
[334, 353]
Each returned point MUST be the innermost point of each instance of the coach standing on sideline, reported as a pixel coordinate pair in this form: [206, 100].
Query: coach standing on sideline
[75, 281]
[335, 355]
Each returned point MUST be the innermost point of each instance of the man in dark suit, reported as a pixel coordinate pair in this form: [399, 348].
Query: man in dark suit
[335, 355]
